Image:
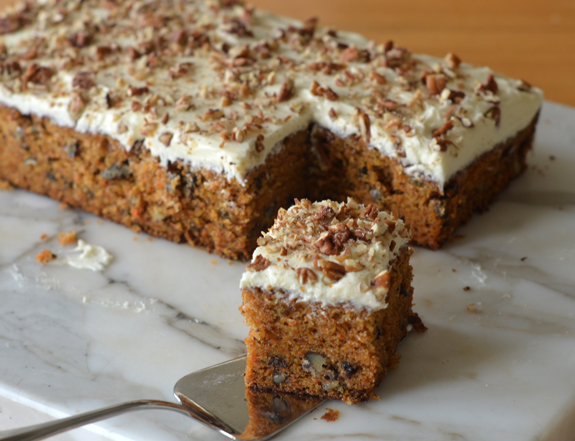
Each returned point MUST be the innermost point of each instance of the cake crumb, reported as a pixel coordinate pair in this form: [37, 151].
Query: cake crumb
[467, 288]
[86, 222]
[552, 157]
[67, 238]
[523, 259]
[63, 206]
[44, 236]
[6, 186]
[330, 415]
[45, 256]
[99, 221]
[453, 270]
[213, 261]
[149, 239]
[136, 239]
[471, 307]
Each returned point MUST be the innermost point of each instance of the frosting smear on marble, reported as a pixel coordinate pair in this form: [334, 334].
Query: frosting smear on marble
[217, 84]
[329, 252]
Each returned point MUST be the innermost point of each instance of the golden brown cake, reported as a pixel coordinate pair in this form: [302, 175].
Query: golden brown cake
[328, 298]
[196, 120]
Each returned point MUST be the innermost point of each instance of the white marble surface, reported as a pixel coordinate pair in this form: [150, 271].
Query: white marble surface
[73, 340]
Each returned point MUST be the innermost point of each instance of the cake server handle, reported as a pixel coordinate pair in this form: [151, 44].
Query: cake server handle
[51, 428]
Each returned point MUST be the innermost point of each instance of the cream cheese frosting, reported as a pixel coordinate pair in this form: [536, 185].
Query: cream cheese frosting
[219, 85]
[329, 252]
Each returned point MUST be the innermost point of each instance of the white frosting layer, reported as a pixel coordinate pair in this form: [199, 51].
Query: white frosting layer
[295, 254]
[220, 94]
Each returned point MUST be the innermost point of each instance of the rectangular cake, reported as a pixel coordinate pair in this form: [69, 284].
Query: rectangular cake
[328, 298]
[197, 120]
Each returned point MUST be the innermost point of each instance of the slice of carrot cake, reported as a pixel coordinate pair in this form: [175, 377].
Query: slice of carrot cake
[328, 298]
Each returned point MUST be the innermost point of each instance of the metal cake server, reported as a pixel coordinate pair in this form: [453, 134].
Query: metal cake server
[215, 396]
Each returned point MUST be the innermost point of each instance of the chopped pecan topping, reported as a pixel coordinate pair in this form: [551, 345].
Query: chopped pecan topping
[495, 114]
[489, 85]
[435, 83]
[340, 235]
[325, 214]
[364, 125]
[10, 69]
[524, 86]
[370, 212]
[332, 270]
[259, 264]
[318, 90]
[76, 105]
[37, 75]
[166, 138]
[326, 245]
[443, 143]
[390, 226]
[83, 81]
[452, 61]
[80, 39]
[455, 96]
[212, 115]
[286, 91]
[379, 79]
[325, 67]
[260, 143]
[306, 275]
[10, 24]
[137, 91]
[382, 280]
[238, 27]
[133, 53]
[446, 127]
[349, 54]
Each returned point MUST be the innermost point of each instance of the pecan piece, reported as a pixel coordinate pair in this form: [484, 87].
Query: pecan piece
[495, 114]
[83, 81]
[10, 24]
[332, 270]
[166, 138]
[446, 127]
[364, 125]
[349, 54]
[136, 91]
[324, 214]
[435, 84]
[306, 275]
[370, 212]
[260, 263]
[80, 39]
[286, 91]
[381, 280]
[452, 61]
[260, 143]
[318, 90]
[489, 85]
[37, 75]
[340, 235]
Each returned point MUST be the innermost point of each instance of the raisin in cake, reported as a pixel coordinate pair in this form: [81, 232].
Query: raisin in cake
[328, 298]
[196, 120]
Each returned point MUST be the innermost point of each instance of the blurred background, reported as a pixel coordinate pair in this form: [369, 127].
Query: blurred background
[529, 39]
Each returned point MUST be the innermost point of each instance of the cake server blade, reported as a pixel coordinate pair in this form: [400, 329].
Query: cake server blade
[215, 396]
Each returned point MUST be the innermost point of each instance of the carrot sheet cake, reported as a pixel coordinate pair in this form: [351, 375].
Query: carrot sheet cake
[197, 120]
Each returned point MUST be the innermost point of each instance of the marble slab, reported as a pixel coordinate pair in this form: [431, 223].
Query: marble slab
[497, 364]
